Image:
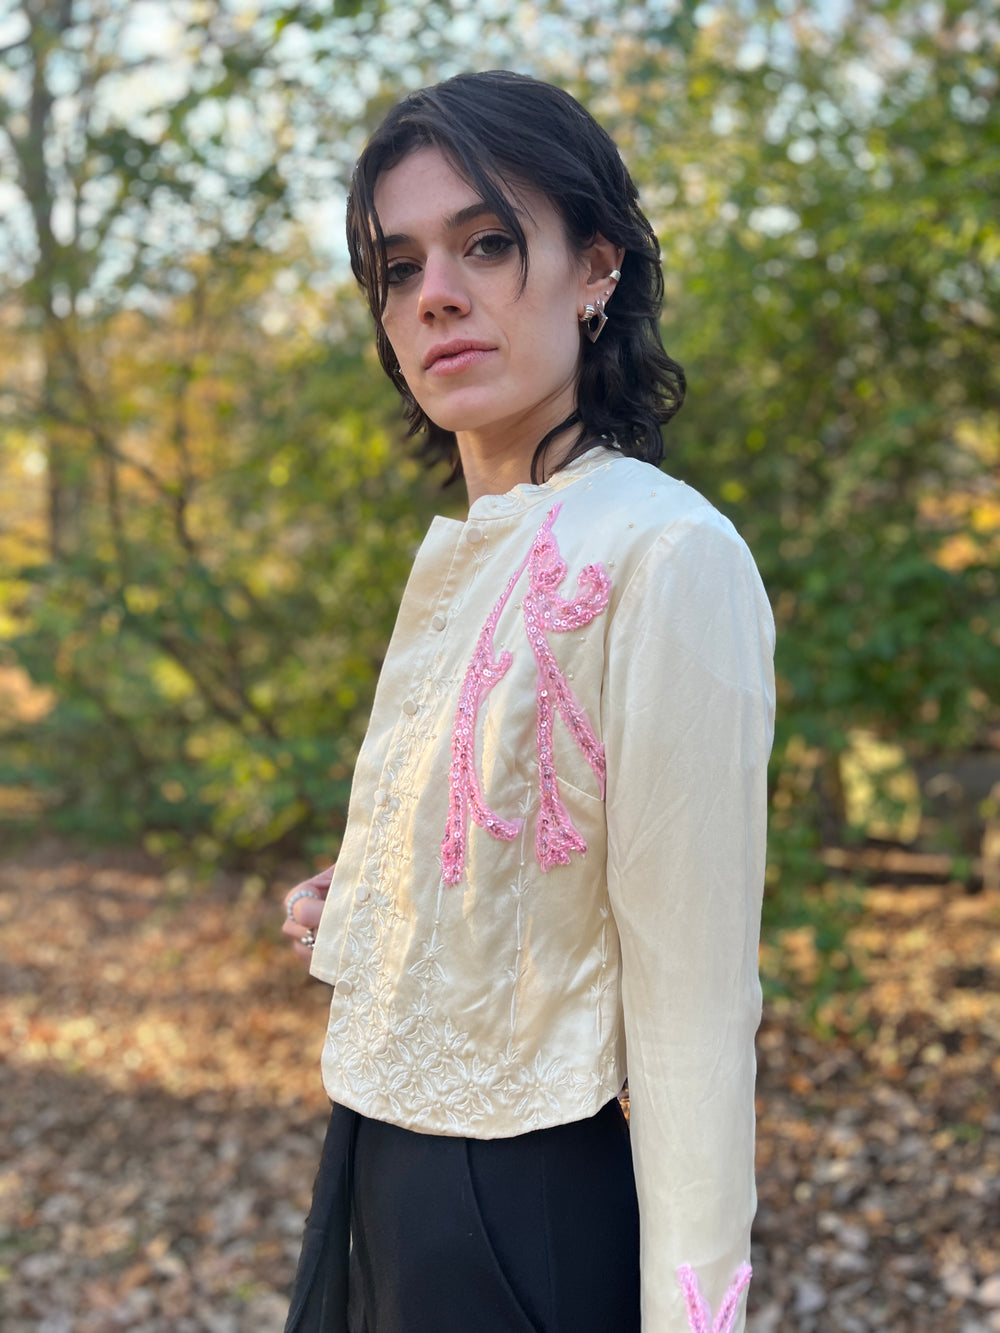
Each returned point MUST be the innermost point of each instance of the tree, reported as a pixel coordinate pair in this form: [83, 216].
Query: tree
[192, 461]
[833, 260]
[228, 519]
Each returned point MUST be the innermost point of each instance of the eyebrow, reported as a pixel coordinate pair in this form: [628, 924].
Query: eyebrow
[460, 219]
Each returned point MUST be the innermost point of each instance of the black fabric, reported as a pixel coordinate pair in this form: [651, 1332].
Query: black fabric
[533, 1234]
[320, 1292]
[560, 1208]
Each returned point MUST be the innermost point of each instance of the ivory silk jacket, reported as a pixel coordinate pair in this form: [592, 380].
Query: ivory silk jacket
[552, 871]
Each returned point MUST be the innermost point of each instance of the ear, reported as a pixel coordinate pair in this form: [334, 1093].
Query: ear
[600, 259]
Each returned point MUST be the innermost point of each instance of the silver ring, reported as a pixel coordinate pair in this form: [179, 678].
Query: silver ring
[308, 939]
[299, 893]
[615, 275]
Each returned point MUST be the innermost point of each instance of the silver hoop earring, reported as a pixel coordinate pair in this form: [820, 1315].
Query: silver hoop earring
[615, 275]
[594, 319]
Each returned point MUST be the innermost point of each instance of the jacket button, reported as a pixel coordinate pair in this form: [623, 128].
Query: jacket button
[474, 536]
[381, 797]
[343, 987]
[409, 707]
[438, 622]
[361, 893]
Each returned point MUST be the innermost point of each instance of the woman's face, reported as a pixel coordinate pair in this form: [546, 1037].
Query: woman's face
[479, 355]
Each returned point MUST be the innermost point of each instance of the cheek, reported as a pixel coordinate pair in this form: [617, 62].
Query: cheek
[555, 334]
[392, 327]
[556, 318]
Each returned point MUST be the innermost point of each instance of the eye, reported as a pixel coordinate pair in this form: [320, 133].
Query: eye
[491, 245]
[399, 272]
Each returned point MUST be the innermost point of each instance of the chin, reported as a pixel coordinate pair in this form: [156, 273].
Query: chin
[457, 418]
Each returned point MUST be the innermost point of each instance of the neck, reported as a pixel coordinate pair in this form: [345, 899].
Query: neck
[492, 465]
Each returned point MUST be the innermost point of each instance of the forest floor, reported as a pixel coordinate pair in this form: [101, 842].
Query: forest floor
[161, 1112]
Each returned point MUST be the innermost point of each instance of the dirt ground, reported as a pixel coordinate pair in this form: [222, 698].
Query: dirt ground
[161, 1112]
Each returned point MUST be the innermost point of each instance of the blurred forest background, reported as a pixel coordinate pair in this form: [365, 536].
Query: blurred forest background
[207, 512]
[206, 508]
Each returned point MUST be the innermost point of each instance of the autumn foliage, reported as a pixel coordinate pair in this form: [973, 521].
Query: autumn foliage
[207, 507]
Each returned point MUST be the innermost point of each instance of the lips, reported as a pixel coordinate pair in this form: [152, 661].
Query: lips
[458, 354]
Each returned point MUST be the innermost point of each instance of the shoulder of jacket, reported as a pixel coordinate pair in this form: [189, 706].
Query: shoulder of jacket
[640, 503]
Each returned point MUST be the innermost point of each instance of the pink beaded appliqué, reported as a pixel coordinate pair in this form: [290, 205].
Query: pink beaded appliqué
[698, 1310]
[545, 612]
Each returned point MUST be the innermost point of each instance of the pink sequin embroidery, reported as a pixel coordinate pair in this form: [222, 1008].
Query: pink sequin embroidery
[698, 1310]
[545, 612]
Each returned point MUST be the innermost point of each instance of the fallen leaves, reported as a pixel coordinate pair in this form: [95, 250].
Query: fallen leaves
[879, 1145]
[162, 1113]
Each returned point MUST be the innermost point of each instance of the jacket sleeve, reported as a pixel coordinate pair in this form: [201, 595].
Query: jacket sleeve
[688, 713]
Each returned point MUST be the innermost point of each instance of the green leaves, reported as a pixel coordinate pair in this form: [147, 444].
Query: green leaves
[231, 513]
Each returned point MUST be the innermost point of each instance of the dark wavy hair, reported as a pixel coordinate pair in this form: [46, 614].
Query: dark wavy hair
[501, 131]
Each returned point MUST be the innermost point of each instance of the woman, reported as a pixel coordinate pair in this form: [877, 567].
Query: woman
[553, 863]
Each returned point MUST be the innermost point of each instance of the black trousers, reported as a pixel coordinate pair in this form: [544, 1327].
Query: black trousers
[533, 1234]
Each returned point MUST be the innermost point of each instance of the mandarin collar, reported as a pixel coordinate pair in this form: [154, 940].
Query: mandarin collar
[526, 496]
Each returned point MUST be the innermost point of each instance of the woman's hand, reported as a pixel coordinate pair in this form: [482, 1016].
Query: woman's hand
[303, 909]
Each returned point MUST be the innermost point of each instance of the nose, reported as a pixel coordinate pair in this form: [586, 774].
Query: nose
[442, 291]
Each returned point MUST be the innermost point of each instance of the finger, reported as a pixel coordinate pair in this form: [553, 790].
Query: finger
[308, 912]
[302, 953]
[321, 880]
[296, 932]
[319, 883]
[305, 910]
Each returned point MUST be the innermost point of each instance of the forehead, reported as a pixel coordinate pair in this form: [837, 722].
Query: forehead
[425, 193]
[422, 184]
